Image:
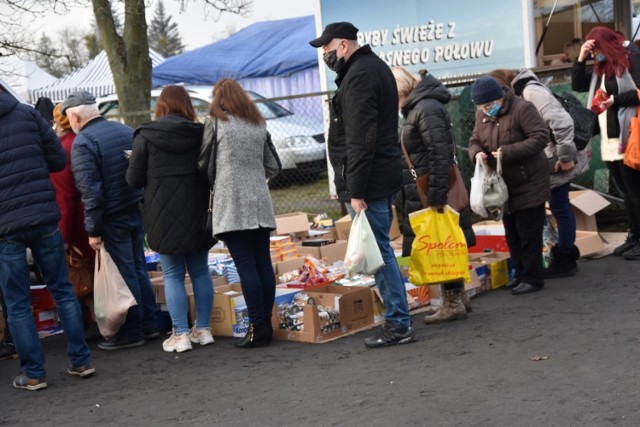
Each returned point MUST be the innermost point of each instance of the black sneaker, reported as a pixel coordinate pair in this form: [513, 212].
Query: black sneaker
[388, 335]
[118, 343]
[630, 243]
[7, 350]
[151, 334]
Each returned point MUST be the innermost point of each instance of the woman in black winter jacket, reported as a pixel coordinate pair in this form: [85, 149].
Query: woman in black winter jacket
[428, 139]
[164, 162]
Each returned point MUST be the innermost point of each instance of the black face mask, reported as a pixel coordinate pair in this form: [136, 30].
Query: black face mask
[333, 62]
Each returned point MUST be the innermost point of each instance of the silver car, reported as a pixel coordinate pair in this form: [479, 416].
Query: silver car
[300, 142]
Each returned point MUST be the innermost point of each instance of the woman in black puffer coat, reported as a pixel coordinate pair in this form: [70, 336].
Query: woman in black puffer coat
[164, 162]
[428, 138]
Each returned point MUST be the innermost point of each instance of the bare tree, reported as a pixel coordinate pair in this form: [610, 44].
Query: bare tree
[128, 52]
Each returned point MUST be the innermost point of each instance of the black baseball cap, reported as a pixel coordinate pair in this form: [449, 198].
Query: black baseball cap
[337, 30]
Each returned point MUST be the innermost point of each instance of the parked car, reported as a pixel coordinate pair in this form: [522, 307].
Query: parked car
[300, 142]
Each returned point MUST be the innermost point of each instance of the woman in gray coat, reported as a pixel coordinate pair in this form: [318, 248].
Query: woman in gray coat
[242, 213]
[565, 163]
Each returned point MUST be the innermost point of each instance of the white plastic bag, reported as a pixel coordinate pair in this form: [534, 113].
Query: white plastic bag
[111, 295]
[363, 254]
[476, 196]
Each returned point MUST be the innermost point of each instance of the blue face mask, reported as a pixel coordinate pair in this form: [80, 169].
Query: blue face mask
[600, 57]
[493, 111]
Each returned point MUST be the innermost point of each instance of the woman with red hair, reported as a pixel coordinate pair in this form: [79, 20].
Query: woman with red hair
[616, 72]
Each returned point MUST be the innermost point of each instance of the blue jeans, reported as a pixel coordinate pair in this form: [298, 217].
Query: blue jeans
[251, 253]
[388, 278]
[47, 248]
[562, 212]
[123, 238]
[173, 269]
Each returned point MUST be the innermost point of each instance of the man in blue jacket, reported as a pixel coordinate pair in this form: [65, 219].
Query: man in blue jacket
[99, 164]
[365, 155]
[29, 214]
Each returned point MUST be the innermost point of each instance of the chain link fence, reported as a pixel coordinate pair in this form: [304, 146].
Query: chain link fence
[298, 127]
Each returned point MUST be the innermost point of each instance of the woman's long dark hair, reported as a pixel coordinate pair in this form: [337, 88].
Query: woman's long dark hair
[610, 44]
[175, 100]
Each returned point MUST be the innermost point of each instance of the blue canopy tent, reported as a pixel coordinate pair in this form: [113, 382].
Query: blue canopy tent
[271, 58]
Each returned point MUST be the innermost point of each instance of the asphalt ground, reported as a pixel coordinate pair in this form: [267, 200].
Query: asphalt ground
[477, 372]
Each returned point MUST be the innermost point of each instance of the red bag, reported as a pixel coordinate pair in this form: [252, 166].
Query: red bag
[632, 152]
[597, 104]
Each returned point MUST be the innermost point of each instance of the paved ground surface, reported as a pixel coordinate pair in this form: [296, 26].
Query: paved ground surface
[477, 372]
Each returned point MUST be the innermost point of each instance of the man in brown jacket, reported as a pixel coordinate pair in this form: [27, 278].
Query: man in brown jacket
[513, 127]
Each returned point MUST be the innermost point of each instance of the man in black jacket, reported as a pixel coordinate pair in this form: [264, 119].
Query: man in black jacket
[365, 155]
[29, 214]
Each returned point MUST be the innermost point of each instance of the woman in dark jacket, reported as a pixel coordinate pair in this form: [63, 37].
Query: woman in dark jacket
[427, 137]
[512, 129]
[164, 162]
[617, 72]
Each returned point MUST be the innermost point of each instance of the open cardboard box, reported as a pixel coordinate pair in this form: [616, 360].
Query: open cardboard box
[332, 252]
[585, 205]
[295, 222]
[354, 304]
[343, 227]
[229, 316]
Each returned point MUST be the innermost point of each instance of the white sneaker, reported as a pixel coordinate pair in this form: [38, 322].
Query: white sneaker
[201, 335]
[177, 343]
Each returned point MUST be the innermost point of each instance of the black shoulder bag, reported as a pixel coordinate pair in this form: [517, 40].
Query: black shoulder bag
[207, 224]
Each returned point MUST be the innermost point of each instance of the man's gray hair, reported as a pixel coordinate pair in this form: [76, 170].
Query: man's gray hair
[85, 112]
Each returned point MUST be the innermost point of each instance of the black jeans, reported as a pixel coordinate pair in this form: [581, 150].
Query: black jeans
[251, 253]
[523, 231]
[628, 181]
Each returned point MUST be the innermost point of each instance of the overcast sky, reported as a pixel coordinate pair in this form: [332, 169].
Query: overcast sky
[197, 25]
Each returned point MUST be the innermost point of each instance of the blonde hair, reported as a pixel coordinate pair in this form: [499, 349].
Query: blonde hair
[405, 80]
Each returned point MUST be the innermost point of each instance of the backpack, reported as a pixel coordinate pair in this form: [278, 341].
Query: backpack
[584, 120]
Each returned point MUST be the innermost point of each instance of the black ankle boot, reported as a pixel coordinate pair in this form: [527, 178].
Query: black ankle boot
[563, 262]
[257, 336]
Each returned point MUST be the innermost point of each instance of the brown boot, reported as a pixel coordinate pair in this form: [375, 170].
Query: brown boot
[452, 308]
[465, 300]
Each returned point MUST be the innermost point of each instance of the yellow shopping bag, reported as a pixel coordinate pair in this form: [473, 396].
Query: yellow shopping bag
[439, 252]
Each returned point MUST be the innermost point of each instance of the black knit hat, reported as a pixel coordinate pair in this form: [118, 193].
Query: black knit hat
[485, 89]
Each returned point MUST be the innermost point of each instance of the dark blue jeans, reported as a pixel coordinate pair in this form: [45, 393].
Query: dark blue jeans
[123, 238]
[251, 254]
[388, 278]
[47, 248]
[562, 212]
[523, 231]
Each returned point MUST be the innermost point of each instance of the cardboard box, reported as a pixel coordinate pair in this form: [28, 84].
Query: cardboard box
[223, 317]
[332, 252]
[45, 319]
[585, 205]
[394, 230]
[355, 305]
[490, 235]
[230, 317]
[288, 265]
[589, 242]
[493, 269]
[41, 298]
[292, 223]
[343, 227]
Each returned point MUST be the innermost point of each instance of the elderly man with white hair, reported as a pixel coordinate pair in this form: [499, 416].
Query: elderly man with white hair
[112, 217]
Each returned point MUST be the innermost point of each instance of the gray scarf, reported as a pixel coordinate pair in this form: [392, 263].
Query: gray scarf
[625, 83]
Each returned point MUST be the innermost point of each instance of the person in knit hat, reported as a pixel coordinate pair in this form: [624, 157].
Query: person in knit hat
[511, 129]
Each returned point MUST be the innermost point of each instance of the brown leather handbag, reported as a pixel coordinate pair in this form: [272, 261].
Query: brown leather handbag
[81, 271]
[457, 196]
